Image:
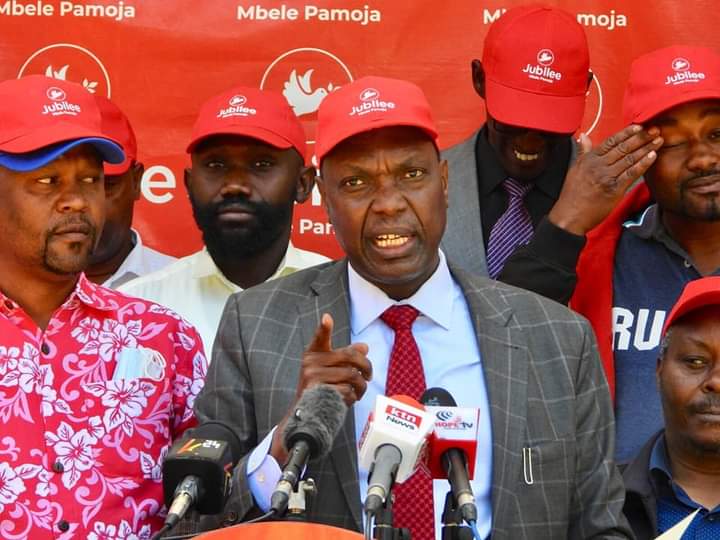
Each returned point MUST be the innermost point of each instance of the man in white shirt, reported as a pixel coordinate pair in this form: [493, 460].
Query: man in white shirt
[120, 254]
[247, 172]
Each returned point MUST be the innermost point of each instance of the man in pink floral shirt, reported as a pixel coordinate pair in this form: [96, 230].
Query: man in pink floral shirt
[94, 385]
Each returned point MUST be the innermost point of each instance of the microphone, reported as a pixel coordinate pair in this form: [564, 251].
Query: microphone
[198, 471]
[392, 445]
[453, 447]
[309, 434]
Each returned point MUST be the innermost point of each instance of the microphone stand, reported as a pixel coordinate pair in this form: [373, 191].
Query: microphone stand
[297, 504]
[384, 529]
[452, 527]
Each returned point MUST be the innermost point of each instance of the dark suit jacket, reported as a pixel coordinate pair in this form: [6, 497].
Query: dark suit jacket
[641, 500]
[552, 422]
[546, 265]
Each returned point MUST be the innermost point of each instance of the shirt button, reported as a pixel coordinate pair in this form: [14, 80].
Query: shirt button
[58, 467]
[63, 526]
[45, 348]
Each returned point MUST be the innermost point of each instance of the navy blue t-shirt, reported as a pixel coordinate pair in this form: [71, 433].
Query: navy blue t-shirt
[650, 272]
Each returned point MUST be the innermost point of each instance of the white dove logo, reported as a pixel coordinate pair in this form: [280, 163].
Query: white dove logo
[238, 100]
[300, 95]
[368, 94]
[60, 74]
[545, 57]
[55, 93]
[680, 64]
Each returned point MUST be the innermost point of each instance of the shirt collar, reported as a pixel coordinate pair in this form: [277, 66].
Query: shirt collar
[133, 263]
[649, 226]
[659, 460]
[85, 292]
[491, 173]
[432, 299]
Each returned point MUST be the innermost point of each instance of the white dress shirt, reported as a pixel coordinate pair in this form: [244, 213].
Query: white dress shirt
[141, 260]
[449, 349]
[195, 288]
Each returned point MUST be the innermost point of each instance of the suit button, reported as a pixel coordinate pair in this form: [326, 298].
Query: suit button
[58, 467]
[63, 526]
[45, 348]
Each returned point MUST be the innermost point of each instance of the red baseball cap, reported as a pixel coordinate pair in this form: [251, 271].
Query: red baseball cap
[667, 77]
[251, 112]
[697, 294]
[536, 64]
[370, 103]
[43, 118]
[117, 126]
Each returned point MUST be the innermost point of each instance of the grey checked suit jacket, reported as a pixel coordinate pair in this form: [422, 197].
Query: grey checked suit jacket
[552, 425]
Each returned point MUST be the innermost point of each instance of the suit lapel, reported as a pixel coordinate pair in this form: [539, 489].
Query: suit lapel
[505, 360]
[332, 297]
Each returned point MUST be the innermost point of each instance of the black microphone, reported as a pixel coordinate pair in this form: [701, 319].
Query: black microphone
[197, 471]
[309, 434]
[454, 460]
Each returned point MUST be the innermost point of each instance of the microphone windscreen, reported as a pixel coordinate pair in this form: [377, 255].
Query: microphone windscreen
[319, 414]
[437, 397]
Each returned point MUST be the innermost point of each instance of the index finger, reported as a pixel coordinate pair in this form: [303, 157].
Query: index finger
[321, 341]
[616, 140]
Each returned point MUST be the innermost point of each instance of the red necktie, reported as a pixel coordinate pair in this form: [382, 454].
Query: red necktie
[413, 507]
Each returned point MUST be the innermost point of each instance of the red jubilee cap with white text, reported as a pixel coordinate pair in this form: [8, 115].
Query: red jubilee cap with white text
[250, 112]
[536, 64]
[665, 78]
[371, 103]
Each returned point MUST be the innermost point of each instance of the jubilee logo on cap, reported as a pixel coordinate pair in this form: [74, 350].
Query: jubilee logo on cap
[370, 102]
[59, 105]
[236, 108]
[542, 71]
[683, 74]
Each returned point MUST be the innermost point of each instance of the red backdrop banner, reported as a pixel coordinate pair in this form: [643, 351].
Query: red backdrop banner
[159, 60]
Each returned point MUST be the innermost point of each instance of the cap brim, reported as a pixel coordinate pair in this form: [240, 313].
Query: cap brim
[29, 161]
[119, 168]
[542, 112]
[377, 123]
[254, 132]
[663, 105]
[700, 300]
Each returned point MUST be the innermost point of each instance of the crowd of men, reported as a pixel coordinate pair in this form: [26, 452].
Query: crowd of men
[565, 289]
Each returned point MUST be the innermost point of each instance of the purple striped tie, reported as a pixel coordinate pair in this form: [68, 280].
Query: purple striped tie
[514, 228]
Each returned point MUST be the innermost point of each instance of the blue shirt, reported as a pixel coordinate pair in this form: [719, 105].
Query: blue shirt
[448, 346]
[674, 504]
[650, 272]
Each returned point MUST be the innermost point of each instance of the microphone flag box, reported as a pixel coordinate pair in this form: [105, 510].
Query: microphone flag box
[404, 425]
[208, 459]
[455, 427]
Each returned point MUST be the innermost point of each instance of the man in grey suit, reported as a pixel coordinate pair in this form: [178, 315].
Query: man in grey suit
[544, 464]
[517, 168]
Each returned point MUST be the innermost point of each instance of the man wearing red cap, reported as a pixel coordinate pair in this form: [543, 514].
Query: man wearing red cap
[665, 233]
[95, 385]
[677, 472]
[248, 171]
[397, 317]
[121, 254]
[519, 211]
